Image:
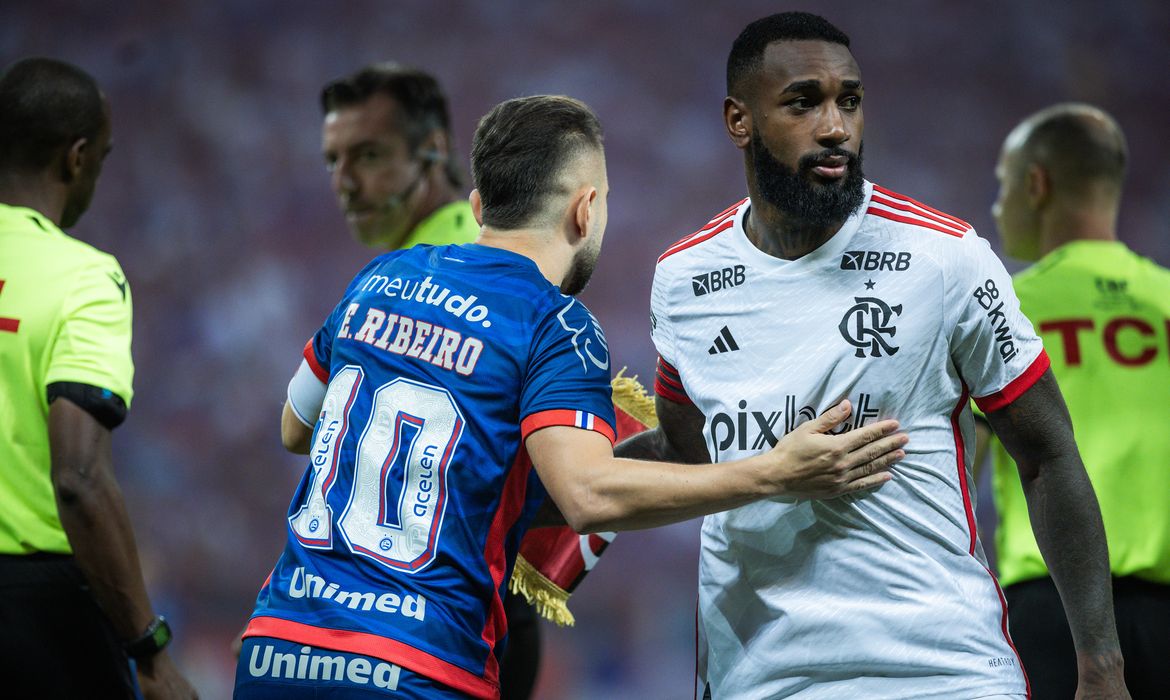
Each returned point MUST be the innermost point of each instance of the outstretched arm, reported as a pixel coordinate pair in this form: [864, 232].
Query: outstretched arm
[1037, 432]
[677, 438]
[597, 491]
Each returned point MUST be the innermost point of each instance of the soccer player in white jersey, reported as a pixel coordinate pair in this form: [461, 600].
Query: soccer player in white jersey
[821, 286]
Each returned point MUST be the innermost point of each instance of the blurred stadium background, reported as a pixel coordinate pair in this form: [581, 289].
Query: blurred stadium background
[216, 202]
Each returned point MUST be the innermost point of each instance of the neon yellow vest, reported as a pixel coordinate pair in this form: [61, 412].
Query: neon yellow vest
[1104, 315]
[65, 313]
[451, 223]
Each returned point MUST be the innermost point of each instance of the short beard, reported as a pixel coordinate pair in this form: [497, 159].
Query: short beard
[808, 204]
[580, 270]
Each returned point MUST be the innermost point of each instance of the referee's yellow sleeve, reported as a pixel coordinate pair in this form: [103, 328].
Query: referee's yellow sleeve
[92, 344]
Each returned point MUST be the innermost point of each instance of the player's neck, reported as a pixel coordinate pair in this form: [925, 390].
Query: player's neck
[1067, 224]
[782, 236]
[534, 244]
[33, 192]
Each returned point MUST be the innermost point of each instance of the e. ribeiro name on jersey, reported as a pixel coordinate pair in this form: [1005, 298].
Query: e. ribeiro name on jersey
[433, 369]
[906, 312]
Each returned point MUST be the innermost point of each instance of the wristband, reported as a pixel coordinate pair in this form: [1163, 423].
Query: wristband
[153, 640]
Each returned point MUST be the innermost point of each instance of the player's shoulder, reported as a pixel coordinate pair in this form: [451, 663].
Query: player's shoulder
[1150, 267]
[85, 270]
[703, 243]
[903, 216]
[61, 250]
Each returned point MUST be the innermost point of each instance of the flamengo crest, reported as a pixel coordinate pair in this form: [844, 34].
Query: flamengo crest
[867, 325]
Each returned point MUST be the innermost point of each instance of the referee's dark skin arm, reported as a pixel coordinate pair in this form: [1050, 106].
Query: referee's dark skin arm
[1037, 432]
[94, 516]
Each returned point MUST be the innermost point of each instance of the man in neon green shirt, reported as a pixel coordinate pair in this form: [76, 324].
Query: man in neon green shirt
[1104, 314]
[387, 144]
[73, 605]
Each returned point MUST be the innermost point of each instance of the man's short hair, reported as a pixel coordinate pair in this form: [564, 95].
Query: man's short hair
[1079, 142]
[747, 53]
[420, 99]
[45, 105]
[519, 150]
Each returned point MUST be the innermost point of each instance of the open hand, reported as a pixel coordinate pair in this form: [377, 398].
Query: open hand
[816, 464]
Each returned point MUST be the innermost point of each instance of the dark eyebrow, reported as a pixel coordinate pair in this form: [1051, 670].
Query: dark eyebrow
[814, 84]
[803, 85]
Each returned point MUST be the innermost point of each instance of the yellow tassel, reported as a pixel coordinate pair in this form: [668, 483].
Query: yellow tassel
[549, 599]
[631, 397]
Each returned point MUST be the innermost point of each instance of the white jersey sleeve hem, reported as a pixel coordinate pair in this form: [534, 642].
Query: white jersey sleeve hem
[306, 394]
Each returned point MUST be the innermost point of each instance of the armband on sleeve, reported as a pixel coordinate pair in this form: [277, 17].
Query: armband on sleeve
[306, 394]
[104, 405]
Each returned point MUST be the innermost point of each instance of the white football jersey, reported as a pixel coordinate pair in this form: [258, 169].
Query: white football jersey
[886, 594]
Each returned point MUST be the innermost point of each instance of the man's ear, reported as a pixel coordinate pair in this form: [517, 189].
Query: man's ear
[435, 149]
[737, 119]
[583, 210]
[476, 206]
[1039, 185]
[74, 161]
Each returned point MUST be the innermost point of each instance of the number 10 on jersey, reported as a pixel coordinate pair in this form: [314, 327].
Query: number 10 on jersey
[393, 514]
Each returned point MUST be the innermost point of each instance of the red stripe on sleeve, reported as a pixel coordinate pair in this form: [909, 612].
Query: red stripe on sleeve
[563, 416]
[909, 208]
[383, 648]
[667, 368]
[715, 221]
[961, 462]
[953, 219]
[696, 240]
[314, 364]
[663, 389]
[671, 382]
[914, 222]
[1016, 388]
[668, 384]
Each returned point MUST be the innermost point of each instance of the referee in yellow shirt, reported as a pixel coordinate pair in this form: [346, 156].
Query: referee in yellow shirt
[73, 606]
[1104, 314]
[386, 140]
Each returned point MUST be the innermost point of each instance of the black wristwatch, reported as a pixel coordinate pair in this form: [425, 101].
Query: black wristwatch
[152, 641]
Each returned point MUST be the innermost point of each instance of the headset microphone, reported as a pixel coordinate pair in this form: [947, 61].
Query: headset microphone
[398, 199]
[427, 157]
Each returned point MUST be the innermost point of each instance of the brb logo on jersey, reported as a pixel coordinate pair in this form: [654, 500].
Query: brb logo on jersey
[870, 260]
[867, 324]
[716, 280]
[587, 337]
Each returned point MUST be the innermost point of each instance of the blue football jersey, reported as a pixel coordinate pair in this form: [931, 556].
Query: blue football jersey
[439, 362]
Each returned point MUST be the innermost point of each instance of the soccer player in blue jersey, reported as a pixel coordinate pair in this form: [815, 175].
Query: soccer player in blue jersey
[450, 391]
[386, 138]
